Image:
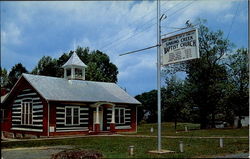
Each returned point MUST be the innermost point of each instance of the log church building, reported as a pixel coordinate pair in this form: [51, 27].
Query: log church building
[51, 106]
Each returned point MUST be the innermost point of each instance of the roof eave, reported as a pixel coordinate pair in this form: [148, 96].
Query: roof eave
[53, 100]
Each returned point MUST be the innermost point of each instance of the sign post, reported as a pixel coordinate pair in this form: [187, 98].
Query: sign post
[158, 77]
[173, 49]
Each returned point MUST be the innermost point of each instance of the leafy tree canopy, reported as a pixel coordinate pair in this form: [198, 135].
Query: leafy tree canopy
[99, 66]
[15, 73]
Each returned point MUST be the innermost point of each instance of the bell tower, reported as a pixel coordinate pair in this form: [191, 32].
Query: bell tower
[74, 68]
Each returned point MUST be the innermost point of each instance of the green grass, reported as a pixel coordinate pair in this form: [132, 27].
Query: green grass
[168, 130]
[117, 146]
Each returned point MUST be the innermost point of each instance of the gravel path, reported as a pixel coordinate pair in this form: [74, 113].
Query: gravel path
[239, 155]
[33, 152]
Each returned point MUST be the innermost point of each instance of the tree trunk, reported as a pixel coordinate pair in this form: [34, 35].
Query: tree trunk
[175, 122]
[239, 122]
[213, 120]
[203, 120]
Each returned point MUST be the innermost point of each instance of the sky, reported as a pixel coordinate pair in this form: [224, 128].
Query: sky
[32, 29]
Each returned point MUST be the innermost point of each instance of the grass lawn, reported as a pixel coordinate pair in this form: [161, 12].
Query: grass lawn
[168, 130]
[117, 146]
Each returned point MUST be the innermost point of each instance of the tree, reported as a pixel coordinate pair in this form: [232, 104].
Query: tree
[206, 76]
[15, 73]
[99, 67]
[173, 99]
[4, 78]
[46, 66]
[149, 105]
[238, 84]
[206, 80]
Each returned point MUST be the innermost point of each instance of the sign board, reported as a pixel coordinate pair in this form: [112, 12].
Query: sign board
[180, 47]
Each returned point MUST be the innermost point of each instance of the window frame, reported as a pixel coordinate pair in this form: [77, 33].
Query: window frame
[72, 115]
[119, 115]
[24, 109]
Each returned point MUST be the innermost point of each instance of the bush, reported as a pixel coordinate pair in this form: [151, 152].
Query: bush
[77, 154]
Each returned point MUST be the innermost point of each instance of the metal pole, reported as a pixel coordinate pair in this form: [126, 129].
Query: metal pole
[158, 76]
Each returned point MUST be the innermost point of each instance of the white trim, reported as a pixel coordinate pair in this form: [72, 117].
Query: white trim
[28, 110]
[68, 128]
[16, 116]
[60, 108]
[38, 98]
[86, 129]
[37, 111]
[60, 112]
[27, 129]
[26, 90]
[72, 115]
[119, 115]
[18, 108]
[16, 119]
[123, 127]
[84, 113]
[37, 106]
[16, 105]
[84, 119]
[18, 100]
[36, 116]
[26, 94]
[35, 125]
[84, 122]
[58, 122]
[84, 108]
[37, 120]
[58, 118]
[16, 113]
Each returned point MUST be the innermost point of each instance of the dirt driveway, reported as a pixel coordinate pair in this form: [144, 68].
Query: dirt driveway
[32, 153]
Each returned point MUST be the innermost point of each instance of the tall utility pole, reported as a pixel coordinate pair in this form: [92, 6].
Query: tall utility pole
[158, 77]
[159, 150]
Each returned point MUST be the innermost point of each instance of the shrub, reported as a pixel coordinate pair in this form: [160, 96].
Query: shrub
[77, 154]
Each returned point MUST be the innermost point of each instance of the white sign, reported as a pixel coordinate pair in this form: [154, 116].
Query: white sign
[180, 47]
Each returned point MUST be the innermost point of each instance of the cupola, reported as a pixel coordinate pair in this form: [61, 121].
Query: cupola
[74, 68]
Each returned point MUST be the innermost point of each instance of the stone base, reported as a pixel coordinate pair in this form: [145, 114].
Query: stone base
[112, 127]
[97, 127]
[160, 152]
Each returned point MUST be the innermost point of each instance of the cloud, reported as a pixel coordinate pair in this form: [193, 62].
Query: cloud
[11, 35]
[33, 29]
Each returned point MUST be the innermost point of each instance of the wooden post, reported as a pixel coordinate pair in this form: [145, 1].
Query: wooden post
[181, 146]
[221, 142]
[131, 150]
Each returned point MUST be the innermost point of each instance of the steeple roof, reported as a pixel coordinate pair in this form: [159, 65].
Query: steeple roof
[74, 60]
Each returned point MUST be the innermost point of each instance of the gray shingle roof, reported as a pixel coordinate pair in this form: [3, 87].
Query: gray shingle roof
[60, 89]
[74, 60]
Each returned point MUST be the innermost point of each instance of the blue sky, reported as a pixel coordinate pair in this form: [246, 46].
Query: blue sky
[30, 30]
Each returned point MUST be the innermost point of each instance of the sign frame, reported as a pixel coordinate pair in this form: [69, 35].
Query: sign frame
[196, 48]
